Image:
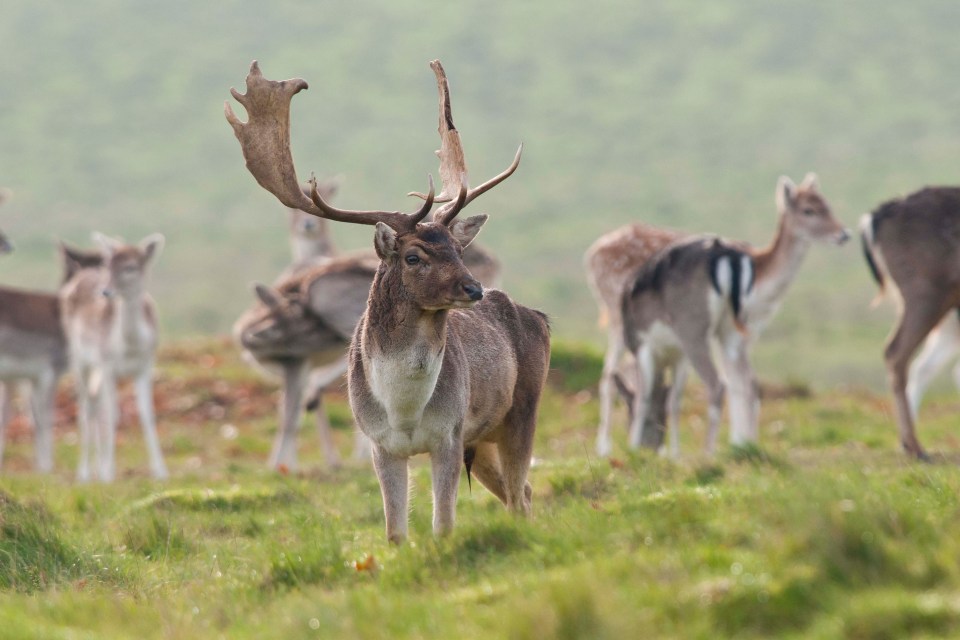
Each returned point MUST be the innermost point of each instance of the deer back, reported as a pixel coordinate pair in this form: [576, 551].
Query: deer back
[690, 286]
[615, 258]
[916, 239]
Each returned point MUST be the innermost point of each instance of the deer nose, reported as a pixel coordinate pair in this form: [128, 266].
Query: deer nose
[474, 290]
[843, 236]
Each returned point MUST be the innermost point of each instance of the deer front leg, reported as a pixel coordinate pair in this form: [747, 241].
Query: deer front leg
[6, 413]
[284, 453]
[392, 474]
[445, 462]
[643, 362]
[41, 401]
[85, 433]
[143, 387]
[107, 424]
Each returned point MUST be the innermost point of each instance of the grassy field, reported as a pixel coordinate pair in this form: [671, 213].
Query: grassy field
[827, 531]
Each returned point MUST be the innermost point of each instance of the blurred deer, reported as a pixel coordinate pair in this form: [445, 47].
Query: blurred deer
[303, 324]
[33, 352]
[435, 363]
[110, 322]
[5, 245]
[612, 264]
[912, 246]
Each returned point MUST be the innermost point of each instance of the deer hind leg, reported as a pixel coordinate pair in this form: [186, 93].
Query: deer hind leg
[611, 360]
[743, 427]
[148, 423]
[84, 431]
[487, 469]
[918, 317]
[939, 349]
[515, 447]
[392, 474]
[284, 453]
[697, 351]
[645, 372]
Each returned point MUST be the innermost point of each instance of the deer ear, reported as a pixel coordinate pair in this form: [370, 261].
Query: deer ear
[810, 182]
[151, 246]
[108, 246]
[786, 193]
[385, 241]
[466, 230]
[268, 295]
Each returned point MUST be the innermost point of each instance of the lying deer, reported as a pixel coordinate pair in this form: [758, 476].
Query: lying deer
[912, 246]
[614, 259]
[110, 322]
[435, 364]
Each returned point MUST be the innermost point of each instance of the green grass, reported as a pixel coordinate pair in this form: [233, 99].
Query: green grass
[823, 531]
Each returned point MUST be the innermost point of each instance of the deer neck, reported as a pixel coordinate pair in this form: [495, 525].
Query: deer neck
[403, 349]
[132, 324]
[776, 266]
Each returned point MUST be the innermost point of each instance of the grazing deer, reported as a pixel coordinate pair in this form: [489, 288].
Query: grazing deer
[435, 364]
[613, 261]
[303, 323]
[912, 246]
[110, 322]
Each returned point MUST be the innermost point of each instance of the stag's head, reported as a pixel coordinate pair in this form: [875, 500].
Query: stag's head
[127, 264]
[807, 213]
[425, 257]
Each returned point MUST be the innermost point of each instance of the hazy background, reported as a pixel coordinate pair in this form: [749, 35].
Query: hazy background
[681, 113]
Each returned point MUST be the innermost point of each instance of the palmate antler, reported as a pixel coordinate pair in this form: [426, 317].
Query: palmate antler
[453, 164]
[265, 141]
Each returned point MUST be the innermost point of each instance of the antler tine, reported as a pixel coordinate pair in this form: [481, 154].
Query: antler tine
[265, 142]
[453, 165]
[445, 214]
[494, 181]
[395, 219]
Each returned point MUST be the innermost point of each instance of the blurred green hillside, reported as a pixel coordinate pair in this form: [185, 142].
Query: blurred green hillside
[681, 113]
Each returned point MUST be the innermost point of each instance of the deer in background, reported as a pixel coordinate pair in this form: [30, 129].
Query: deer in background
[110, 322]
[435, 362]
[613, 261]
[32, 351]
[912, 246]
[303, 323]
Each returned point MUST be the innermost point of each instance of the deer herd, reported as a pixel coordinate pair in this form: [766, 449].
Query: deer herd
[437, 359]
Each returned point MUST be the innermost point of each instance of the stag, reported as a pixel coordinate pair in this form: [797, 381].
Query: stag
[110, 322]
[434, 365]
[613, 261]
[912, 246]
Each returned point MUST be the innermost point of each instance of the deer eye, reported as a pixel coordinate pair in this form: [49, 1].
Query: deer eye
[412, 259]
[809, 211]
